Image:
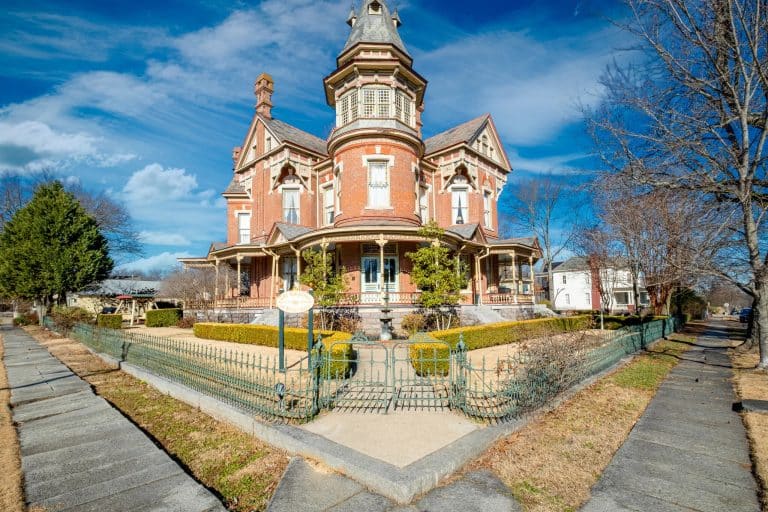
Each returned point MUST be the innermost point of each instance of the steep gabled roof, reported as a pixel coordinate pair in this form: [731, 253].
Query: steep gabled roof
[460, 134]
[371, 27]
[291, 231]
[287, 133]
[579, 263]
[465, 231]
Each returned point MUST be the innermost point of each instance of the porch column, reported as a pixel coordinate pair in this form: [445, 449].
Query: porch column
[273, 279]
[478, 281]
[533, 278]
[514, 277]
[226, 282]
[324, 246]
[216, 284]
[381, 242]
[239, 279]
[297, 252]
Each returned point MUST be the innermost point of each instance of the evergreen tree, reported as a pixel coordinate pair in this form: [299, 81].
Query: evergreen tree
[438, 275]
[50, 247]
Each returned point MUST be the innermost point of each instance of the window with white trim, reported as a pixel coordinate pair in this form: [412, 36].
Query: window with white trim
[290, 269]
[487, 217]
[347, 108]
[291, 205]
[376, 102]
[459, 204]
[328, 206]
[403, 107]
[587, 298]
[424, 204]
[378, 184]
[243, 228]
[621, 298]
[568, 299]
[564, 279]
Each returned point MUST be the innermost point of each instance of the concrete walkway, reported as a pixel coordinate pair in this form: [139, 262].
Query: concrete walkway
[689, 450]
[80, 454]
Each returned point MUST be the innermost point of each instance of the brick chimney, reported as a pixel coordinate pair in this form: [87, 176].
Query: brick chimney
[263, 89]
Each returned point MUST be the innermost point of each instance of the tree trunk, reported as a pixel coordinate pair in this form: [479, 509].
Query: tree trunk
[760, 323]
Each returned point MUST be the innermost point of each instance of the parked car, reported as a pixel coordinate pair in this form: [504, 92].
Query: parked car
[745, 315]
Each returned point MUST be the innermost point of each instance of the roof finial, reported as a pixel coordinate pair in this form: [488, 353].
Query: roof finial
[352, 18]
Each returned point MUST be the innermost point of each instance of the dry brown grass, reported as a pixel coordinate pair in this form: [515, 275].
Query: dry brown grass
[242, 470]
[752, 383]
[551, 464]
[11, 488]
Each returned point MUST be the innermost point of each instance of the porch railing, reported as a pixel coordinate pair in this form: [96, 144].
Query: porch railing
[229, 302]
[507, 298]
[362, 298]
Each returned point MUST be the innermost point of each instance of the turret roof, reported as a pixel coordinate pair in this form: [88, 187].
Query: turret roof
[375, 26]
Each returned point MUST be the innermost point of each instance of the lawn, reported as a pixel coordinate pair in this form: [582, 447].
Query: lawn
[552, 463]
[239, 468]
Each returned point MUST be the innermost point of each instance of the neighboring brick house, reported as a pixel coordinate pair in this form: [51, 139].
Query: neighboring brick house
[575, 287]
[363, 193]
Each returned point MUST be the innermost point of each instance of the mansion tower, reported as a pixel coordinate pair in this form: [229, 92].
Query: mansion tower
[363, 193]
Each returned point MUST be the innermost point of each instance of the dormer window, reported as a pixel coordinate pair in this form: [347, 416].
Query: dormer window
[374, 8]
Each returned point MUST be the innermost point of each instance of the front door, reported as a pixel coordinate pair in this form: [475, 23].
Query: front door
[370, 284]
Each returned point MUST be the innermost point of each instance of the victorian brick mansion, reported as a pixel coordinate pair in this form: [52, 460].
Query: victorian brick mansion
[363, 193]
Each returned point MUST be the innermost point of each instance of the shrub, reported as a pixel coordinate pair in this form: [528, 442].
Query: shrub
[110, 321]
[65, 317]
[295, 339]
[27, 319]
[264, 335]
[502, 333]
[186, 322]
[413, 323]
[163, 317]
[430, 359]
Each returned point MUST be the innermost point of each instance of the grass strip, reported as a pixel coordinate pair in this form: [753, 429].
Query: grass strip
[239, 468]
[11, 488]
[751, 383]
[553, 462]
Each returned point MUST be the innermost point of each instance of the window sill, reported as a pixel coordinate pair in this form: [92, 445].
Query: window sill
[379, 208]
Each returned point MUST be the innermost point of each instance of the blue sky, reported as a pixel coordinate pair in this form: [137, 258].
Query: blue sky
[147, 99]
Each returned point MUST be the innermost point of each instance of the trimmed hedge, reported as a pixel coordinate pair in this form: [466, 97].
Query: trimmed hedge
[264, 335]
[430, 359]
[110, 321]
[163, 317]
[295, 339]
[613, 322]
[502, 333]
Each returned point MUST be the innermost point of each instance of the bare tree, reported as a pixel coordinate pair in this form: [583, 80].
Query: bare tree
[599, 249]
[539, 206]
[198, 287]
[693, 115]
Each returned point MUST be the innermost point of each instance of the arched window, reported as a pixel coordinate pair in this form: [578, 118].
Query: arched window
[291, 190]
[459, 200]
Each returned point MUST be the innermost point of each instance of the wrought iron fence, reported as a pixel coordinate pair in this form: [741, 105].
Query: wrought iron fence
[347, 374]
[250, 382]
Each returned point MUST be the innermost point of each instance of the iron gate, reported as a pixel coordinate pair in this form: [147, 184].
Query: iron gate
[368, 376]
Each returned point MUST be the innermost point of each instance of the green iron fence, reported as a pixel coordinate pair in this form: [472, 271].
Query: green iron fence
[250, 382]
[358, 374]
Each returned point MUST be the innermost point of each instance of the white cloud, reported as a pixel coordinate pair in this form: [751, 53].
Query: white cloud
[32, 145]
[531, 87]
[556, 164]
[161, 238]
[163, 261]
[153, 183]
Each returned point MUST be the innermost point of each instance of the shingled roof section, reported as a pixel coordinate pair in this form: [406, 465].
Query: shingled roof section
[579, 263]
[234, 188]
[462, 133]
[370, 27]
[288, 133]
[528, 241]
[292, 231]
[465, 231]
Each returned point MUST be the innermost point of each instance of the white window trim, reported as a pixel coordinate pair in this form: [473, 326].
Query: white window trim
[292, 186]
[488, 226]
[237, 214]
[456, 188]
[323, 189]
[390, 160]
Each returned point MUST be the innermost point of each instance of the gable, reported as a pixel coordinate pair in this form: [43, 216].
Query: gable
[487, 143]
[253, 147]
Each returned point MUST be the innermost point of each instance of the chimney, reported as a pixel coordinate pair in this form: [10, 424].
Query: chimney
[236, 154]
[263, 89]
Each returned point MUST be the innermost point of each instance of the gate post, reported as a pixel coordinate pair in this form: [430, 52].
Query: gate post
[460, 386]
[316, 366]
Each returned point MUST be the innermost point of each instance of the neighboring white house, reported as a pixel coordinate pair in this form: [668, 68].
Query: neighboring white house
[574, 287]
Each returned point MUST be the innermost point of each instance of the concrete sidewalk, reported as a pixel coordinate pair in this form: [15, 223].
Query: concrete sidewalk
[80, 454]
[689, 449]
